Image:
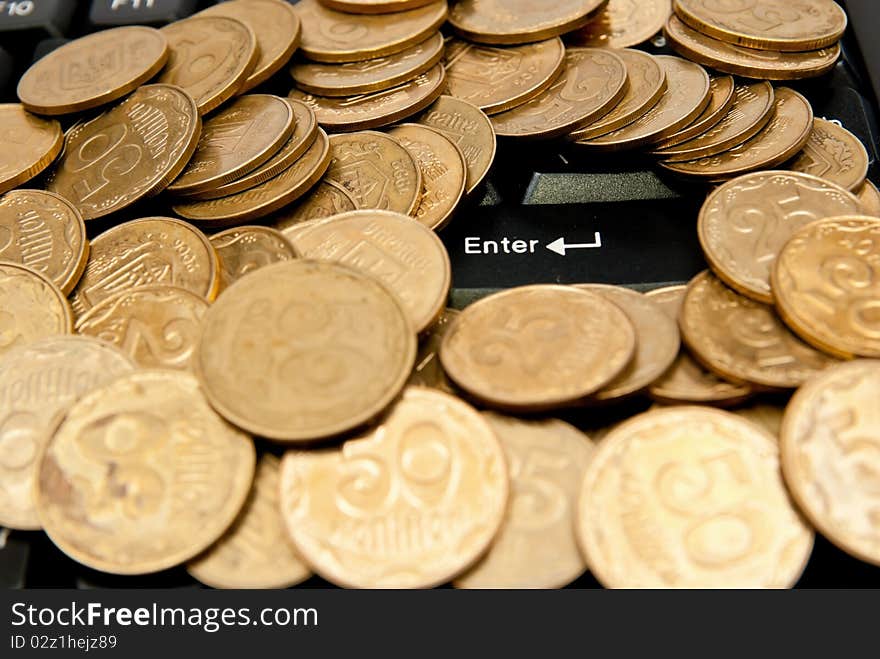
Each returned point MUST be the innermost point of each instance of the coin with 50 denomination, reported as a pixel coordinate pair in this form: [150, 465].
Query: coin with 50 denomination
[155, 500]
[537, 347]
[30, 145]
[835, 154]
[31, 307]
[690, 497]
[519, 21]
[324, 200]
[302, 350]
[132, 151]
[432, 464]
[244, 249]
[623, 23]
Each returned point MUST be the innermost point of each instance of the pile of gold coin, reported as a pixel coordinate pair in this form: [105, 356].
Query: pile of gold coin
[264, 382]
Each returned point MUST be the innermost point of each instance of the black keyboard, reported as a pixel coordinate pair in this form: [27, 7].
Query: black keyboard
[641, 225]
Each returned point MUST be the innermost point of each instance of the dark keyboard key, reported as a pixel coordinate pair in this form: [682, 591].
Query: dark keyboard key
[46, 46]
[143, 12]
[14, 554]
[6, 68]
[44, 17]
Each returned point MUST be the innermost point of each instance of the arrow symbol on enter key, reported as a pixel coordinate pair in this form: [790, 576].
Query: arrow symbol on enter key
[559, 246]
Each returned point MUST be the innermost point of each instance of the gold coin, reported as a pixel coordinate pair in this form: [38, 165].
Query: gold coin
[156, 326]
[496, 79]
[324, 200]
[744, 223]
[743, 340]
[369, 75]
[623, 23]
[236, 140]
[245, 249]
[826, 281]
[751, 110]
[93, 70]
[132, 151]
[152, 250]
[766, 415]
[444, 172]
[376, 170]
[518, 21]
[829, 467]
[407, 257]
[835, 154]
[31, 307]
[748, 62]
[536, 545]
[593, 82]
[869, 196]
[687, 95]
[30, 144]
[783, 137]
[686, 381]
[766, 24]
[38, 383]
[302, 350]
[211, 58]
[428, 371]
[657, 341]
[255, 552]
[537, 347]
[373, 6]
[690, 497]
[410, 505]
[265, 198]
[142, 475]
[276, 28]
[379, 108]
[646, 84]
[333, 36]
[470, 129]
[45, 233]
[721, 97]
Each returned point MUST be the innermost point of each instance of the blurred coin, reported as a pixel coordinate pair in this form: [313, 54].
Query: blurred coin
[428, 372]
[623, 23]
[245, 249]
[517, 21]
[826, 281]
[236, 140]
[373, 6]
[721, 97]
[470, 129]
[687, 95]
[132, 151]
[402, 254]
[744, 223]
[156, 326]
[265, 198]
[829, 459]
[211, 58]
[255, 552]
[657, 341]
[444, 172]
[152, 250]
[537, 347]
[376, 170]
[434, 468]
[276, 28]
[743, 340]
[690, 497]
[172, 487]
[748, 62]
[767, 24]
[31, 307]
[593, 82]
[333, 36]
[686, 381]
[752, 108]
[302, 350]
[44, 232]
[496, 79]
[324, 200]
[379, 108]
[93, 70]
[369, 75]
[783, 137]
[835, 154]
[646, 84]
[536, 546]
[38, 383]
[869, 196]
[30, 145]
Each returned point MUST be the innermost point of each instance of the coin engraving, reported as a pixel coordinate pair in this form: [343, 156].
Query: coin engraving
[835, 154]
[244, 249]
[31, 307]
